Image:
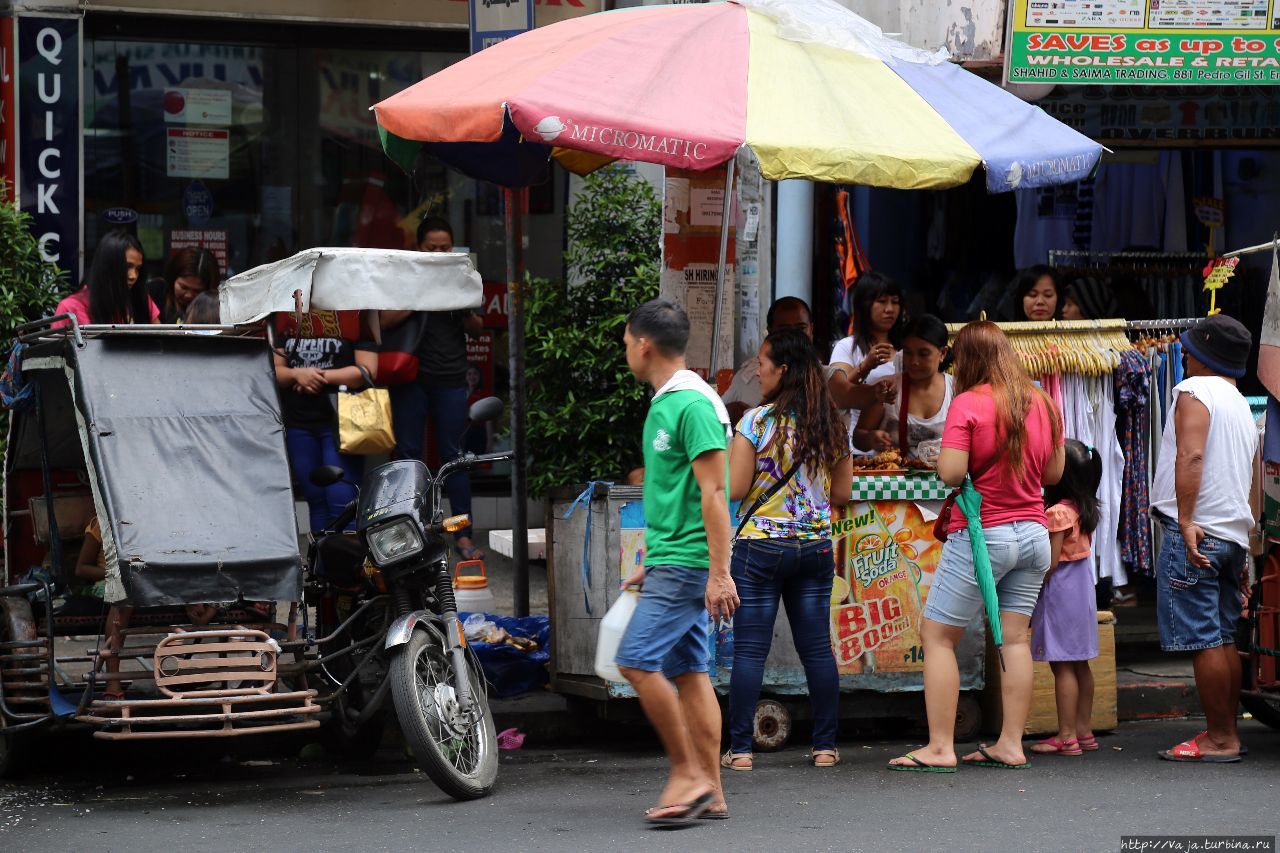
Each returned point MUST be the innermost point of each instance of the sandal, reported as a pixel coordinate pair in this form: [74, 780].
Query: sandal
[686, 813]
[470, 552]
[1053, 746]
[989, 760]
[832, 756]
[919, 766]
[1089, 744]
[730, 761]
[1189, 750]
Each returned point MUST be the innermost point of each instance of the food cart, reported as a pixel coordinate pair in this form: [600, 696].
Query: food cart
[886, 555]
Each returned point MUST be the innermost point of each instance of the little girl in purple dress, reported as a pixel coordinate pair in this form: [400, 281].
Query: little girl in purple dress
[1064, 626]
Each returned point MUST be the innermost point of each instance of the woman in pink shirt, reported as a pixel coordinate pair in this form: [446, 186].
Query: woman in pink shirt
[1006, 434]
[113, 292]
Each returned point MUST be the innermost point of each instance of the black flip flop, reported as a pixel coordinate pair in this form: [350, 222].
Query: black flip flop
[710, 815]
[991, 761]
[918, 766]
[692, 811]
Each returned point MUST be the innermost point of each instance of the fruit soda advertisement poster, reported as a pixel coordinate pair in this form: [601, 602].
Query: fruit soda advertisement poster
[885, 559]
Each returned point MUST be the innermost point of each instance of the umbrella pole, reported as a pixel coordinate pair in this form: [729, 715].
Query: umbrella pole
[721, 268]
[514, 209]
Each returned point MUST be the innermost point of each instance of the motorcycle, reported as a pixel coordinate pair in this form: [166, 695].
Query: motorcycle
[392, 578]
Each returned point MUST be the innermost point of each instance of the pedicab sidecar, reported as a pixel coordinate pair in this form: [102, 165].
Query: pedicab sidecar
[171, 440]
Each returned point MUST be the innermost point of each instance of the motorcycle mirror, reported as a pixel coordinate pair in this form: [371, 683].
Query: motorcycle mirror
[327, 475]
[486, 409]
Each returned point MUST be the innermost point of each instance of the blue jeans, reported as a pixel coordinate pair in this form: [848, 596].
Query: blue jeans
[799, 572]
[1197, 608]
[411, 405]
[311, 448]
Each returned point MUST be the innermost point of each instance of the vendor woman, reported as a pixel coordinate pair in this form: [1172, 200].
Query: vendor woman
[1037, 295]
[862, 364]
[926, 395]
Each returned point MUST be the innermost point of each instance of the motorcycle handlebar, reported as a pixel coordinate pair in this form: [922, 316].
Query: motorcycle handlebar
[467, 460]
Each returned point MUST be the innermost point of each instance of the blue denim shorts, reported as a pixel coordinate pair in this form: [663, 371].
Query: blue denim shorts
[1019, 558]
[1197, 608]
[670, 630]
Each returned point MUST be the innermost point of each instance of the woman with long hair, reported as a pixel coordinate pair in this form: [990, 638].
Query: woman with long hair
[861, 364]
[113, 291]
[789, 464]
[1006, 434]
[189, 273]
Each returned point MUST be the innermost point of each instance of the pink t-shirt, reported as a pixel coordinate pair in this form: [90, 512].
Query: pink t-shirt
[971, 426]
[77, 305]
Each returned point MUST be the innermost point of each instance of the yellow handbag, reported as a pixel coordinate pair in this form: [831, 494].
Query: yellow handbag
[364, 420]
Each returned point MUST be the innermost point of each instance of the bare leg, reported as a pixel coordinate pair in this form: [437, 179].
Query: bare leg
[941, 693]
[1015, 690]
[1217, 681]
[1066, 694]
[663, 708]
[701, 710]
[1084, 706]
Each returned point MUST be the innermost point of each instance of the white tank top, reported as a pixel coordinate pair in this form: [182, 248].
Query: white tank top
[918, 429]
[1222, 508]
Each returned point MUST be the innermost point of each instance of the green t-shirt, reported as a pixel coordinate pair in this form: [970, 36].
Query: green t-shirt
[681, 426]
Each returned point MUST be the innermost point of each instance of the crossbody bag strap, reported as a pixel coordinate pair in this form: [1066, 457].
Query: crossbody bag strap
[764, 497]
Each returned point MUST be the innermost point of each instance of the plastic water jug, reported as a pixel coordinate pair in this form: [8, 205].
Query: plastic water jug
[472, 591]
[612, 627]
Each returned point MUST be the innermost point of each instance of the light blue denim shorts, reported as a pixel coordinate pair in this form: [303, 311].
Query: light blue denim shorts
[1019, 559]
[670, 631]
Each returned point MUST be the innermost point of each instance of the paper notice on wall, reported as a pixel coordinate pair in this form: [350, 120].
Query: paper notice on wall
[198, 153]
[706, 206]
[197, 106]
[699, 301]
[675, 202]
[215, 240]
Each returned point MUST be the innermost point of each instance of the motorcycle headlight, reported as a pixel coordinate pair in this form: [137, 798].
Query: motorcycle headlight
[394, 541]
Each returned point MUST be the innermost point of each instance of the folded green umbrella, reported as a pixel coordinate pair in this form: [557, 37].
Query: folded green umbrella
[970, 502]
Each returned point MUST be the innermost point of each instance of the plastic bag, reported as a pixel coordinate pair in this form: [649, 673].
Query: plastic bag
[928, 451]
[477, 626]
[612, 627]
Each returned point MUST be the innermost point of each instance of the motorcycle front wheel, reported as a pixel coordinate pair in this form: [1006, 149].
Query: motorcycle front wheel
[459, 752]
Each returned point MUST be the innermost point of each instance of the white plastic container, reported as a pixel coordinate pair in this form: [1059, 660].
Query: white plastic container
[472, 591]
[612, 627]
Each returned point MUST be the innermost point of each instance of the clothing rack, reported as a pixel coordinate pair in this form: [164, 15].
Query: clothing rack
[1054, 254]
[1086, 347]
[1261, 247]
[1160, 325]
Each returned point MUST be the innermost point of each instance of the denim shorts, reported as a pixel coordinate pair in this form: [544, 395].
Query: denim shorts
[670, 630]
[1197, 608]
[1019, 554]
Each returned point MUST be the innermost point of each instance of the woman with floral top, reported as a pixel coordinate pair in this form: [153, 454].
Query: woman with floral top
[789, 464]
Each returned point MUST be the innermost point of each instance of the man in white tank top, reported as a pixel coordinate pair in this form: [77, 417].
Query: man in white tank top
[1201, 496]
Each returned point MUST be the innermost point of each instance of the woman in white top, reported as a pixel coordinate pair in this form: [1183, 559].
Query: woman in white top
[862, 364]
[928, 392]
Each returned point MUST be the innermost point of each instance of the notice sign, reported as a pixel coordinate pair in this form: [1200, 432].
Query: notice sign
[198, 153]
[1153, 42]
[493, 21]
[197, 106]
[213, 240]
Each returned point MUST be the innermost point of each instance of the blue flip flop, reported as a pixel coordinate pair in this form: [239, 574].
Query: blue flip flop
[918, 766]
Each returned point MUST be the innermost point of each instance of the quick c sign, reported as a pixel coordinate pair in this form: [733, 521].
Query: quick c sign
[49, 135]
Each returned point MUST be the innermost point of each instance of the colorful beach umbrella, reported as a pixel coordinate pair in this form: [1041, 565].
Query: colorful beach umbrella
[811, 88]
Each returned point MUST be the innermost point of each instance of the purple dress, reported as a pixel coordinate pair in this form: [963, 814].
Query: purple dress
[1064, 625]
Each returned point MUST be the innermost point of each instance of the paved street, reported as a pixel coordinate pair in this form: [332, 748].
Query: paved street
[584, 799]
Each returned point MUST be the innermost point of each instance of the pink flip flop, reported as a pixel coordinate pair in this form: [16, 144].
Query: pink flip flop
[1053, 746]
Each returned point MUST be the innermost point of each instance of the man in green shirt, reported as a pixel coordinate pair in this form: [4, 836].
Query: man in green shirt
[686, 571]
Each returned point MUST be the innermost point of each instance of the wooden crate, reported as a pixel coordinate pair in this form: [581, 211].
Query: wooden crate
[1043, 718]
